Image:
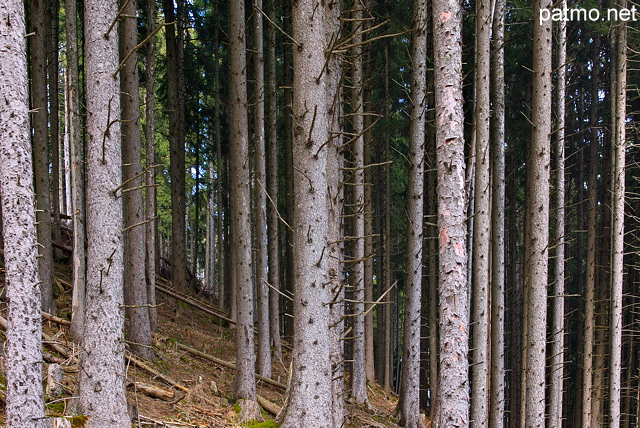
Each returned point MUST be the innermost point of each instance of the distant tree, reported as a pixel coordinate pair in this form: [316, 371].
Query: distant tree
[23, 348]
[453, 406]
[39, 105]
[135, 285]
[101, 378]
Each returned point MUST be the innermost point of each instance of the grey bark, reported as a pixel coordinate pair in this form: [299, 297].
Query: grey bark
[388, 274]
[410, 375]
[23, 348]
[481, 220]
[150, 160]
[617, 222]
[76, 146]
[557, 334]
[263, 365]
[135, 285]
[537, 224]
[497, 381]
[244, 383]
[101, 379]
[589, 294]
[358, 375]
[57, 181]
[453, 408]
[38, 9]
[310, 402]
[272, 185]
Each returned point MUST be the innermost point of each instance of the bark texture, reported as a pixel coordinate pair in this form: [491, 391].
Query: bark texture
[244, 387]
[536, 237]
[23, 348]
[410, 376]
[453, 407]
[310, 394]
[102, 377]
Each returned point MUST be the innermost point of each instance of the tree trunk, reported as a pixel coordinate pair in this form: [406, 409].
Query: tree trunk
[38, 10]
[57, 192]
[617, 222]
[497, 381]
[271, 93]
[592, 216]
[177, 151]
[410, 377]
[150, 176]
[358, 375]
[101, 380]
[481, 219]
[135, 285]
[76, 145]
[557, 330]
[453, 408]
[244, 383]
[537, 223]
[23, 348]
[260, 188]
[388, 274]
[310, 401]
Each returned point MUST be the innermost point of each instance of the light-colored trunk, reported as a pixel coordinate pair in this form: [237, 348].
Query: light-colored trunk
[536, 236]
[263, 366]
[76, 145]
[272, 185]
[41, 150]
[410, 376]
[497, 381]
[388, 274]
[358, 375]
[102, 378]
[244, 383]
[617, 223]
[23, 347]
[135, 285]
[150, 160]
[557, 329]
[453, 407]
[310, 402]
[481, 220]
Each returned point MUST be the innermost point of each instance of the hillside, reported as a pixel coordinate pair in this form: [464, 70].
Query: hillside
[190, 390]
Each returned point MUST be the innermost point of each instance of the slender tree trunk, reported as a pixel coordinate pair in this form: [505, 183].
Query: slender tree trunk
[260, 189]
[271, 93]
[57, 191]
[358, 375]
[388, 274]
[101, 380]
[617, 222]
[38, 10]
[453, 408]
[497, 381]
[23, 348]
[222, 284]
[177, 151]
[410, 377]
[135, 286]
[556, 384]
[244, 383]
[310, 401]
[537, 223]
[592, 216]
[150, 176]
[76, 146]
[481, 219]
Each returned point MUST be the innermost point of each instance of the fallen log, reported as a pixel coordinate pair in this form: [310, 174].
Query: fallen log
[193, 303]
[140, 364]
[154, 391]
[226, 364]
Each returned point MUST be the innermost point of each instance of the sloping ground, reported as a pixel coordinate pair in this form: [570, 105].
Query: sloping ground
[197, 391]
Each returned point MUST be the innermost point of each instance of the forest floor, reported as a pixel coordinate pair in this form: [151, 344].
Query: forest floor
[201, 394]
